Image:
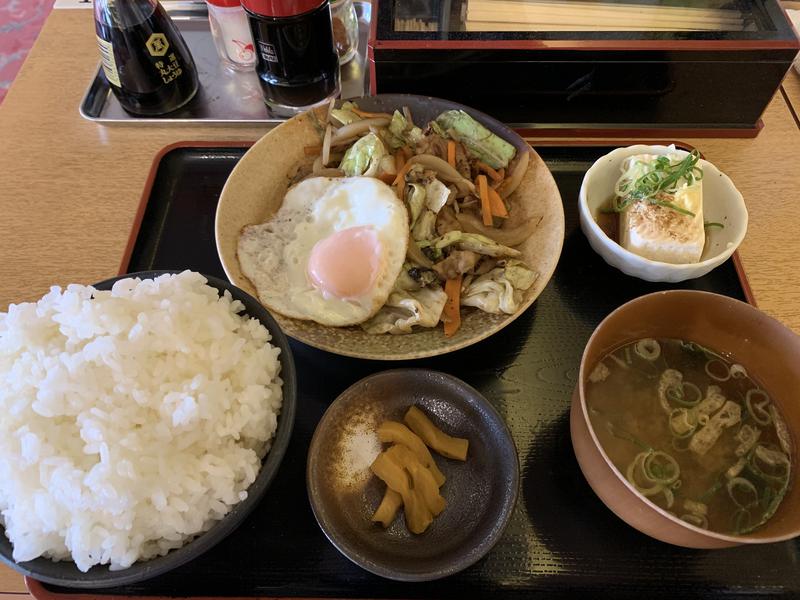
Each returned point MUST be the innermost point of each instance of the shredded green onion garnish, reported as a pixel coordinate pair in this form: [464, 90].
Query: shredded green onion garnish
[709, 224]
[661, 179]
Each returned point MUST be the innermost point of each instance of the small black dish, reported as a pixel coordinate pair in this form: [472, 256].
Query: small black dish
[66, 574]
[480, 492]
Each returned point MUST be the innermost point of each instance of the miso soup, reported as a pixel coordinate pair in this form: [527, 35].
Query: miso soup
[693, 432]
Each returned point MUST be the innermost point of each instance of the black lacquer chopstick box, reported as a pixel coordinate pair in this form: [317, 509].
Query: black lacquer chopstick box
[584, 67]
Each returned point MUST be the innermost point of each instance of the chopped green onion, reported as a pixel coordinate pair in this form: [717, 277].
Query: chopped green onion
[660, 467]
[757, 410]
[648, 348]
[624, 435]
[715, 376]
[661, 178]
[709, 224]
[747, 496]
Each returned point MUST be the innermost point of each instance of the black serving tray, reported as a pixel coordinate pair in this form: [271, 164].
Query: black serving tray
[561, 539]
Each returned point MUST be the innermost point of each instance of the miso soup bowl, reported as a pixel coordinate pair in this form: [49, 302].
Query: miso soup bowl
[767, 349]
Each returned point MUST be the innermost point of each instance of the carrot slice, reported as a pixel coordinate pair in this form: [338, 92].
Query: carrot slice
[399, 159]
[497, 205]
[387, 178]
[452, 308]
[493, 175]
[401, 173]
[451, 153]
[486, 207]
[407, 152]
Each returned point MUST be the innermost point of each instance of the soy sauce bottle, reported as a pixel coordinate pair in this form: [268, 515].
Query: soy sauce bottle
[296, 59]
[144, 57]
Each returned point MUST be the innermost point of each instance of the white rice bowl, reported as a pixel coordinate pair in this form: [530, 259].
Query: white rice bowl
[131, 420]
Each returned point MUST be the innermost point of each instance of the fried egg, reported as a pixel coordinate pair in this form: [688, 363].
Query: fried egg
[331, 253]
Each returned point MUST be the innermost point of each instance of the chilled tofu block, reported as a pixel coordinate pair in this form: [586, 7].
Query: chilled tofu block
[662, 233]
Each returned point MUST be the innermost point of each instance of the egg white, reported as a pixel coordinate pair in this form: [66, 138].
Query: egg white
[274, 255]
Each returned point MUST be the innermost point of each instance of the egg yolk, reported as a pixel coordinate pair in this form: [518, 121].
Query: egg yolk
[346, 263]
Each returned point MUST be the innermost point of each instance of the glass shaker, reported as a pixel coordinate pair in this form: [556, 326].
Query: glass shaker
[296, 60]
[231, 33]
[144, 57]
[345, 29]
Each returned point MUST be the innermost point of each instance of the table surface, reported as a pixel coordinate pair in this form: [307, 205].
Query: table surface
[69, 188]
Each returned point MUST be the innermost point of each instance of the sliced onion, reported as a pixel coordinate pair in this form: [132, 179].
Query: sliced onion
[357, 128]
[326, 146]
[443, 170]
[418, 256]
[507, 237]
[511, 183]
[331, 106]
[407, 115]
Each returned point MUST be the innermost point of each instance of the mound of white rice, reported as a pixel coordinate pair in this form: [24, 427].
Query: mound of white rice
[130, 420]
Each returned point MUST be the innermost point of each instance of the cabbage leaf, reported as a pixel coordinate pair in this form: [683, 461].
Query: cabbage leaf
[499, 290]
[479, 141]
[363, 157]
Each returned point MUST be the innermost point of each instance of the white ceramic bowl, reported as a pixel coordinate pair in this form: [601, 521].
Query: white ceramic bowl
[722, 203]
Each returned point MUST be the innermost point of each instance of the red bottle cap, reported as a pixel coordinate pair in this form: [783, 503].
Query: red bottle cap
[225, 3]
[281, 8]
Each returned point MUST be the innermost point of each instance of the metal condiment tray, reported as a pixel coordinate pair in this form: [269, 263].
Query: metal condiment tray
[225, 96]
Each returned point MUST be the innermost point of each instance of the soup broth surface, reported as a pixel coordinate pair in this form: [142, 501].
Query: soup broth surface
[693, 432]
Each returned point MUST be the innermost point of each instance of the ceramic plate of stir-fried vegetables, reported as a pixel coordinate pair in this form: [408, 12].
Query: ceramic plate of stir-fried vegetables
[393, 227]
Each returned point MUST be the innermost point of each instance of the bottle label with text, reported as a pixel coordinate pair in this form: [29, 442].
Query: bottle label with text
[109, 64]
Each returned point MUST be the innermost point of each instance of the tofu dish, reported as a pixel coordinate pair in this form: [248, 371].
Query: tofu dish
[659, 200]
